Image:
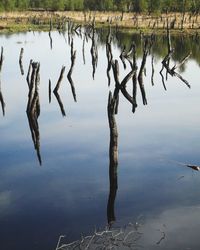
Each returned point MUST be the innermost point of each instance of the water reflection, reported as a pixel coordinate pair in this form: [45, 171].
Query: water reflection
[2, 100]
[20, 61]
[62, 109]
[94, 51]
[55, 91]
[113, 156]
[33, 107]
[1, 95]
[75, 149]
[69, 75]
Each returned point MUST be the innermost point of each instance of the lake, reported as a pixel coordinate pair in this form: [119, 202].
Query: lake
[68, 193]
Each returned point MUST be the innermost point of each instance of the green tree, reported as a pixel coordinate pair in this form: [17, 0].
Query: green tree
[140, 5]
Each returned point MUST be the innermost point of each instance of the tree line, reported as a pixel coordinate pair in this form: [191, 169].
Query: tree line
[147, 6]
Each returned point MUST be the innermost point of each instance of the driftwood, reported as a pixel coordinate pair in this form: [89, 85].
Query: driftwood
[33, 107]
[20, 61]
[69, 75]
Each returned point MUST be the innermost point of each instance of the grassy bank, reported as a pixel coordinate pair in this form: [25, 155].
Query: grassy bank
[31, 20]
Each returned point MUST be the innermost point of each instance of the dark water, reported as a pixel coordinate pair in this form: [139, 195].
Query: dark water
[68, 193]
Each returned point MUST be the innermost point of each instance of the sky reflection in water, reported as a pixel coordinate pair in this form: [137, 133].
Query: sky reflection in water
[68, 194]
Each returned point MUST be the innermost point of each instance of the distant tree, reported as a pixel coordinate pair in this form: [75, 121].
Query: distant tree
[154, 5]
[7, 4]
[58, 5]
[21, 4]
[140, 5]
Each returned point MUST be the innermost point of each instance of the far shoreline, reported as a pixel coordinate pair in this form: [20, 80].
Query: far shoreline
[131, 22]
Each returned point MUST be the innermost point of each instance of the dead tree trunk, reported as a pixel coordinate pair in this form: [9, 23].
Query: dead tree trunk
[109, 55]
[62, 109]
[94, 51]
[29, 72]
[141, 72]
[49, 91]
[51, 40]
[69, 75]
[121, 86]
[166, 62]
[83, 48]
[59, 79]
[122, 57]
[20, 61]
[2, 101]
[1, 95]
[134, 80]
[33, 108]
[113, 159]
[55, 91]
[1, 59]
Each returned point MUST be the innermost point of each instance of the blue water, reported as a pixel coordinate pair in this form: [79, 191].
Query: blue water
[68, 194]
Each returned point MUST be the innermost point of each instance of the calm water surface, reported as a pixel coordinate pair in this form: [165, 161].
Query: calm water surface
[68, 193]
